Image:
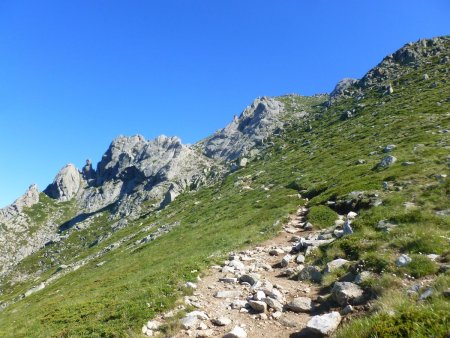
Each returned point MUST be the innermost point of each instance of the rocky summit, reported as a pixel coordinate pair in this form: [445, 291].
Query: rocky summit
[324, 215]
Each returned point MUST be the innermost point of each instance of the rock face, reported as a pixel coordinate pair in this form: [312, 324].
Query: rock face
[245, 133]
[134, 169]
[65, 185]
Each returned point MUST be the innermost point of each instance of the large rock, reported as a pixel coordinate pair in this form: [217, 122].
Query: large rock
[403, 260]
[347, 293]
[335, 264]
[325, 324]
[237, 332]
[300, 304]
[258, 306]
[387, 161]
[189, 322]
[221, 321]
[66, 184]
[250, 278]
[311, 273]
[273, 303]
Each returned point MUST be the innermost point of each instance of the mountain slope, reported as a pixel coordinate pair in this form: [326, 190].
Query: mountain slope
[114, 265]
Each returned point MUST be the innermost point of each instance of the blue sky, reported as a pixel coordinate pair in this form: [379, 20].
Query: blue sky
[76, 74]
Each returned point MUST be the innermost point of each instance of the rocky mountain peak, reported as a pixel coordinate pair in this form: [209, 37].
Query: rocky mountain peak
[66, 184]
[29, 198]
[342, 87]
[246, 132]
[393, 66]
[412, 55]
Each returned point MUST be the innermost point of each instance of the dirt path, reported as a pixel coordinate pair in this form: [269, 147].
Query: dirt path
[270, 279]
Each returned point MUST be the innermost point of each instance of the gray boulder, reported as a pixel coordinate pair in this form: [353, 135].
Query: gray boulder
[250, 278]
[273, 303]
[325, 324]
[346, 293]
[311, 273]
[237, 332]
[300, 304]
[403, 260]
[335, 264]
[387, 161]
[257, 305]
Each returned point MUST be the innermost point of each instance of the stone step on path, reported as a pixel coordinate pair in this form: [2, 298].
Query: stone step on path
[251, 294]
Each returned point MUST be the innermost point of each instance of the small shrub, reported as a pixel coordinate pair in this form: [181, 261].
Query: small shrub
[421, 266]
[321, 216]
[376, 262]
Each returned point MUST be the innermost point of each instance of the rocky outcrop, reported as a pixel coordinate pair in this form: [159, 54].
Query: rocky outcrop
[134, 169]
[65, 185]
[343, 88]
[27, 200]
[394, 66]
[411, 55]
[246, 134]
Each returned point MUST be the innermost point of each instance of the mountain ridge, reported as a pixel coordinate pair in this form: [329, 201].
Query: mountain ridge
[128, 185]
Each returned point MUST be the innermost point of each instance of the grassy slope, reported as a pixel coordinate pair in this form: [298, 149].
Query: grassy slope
[116, 298]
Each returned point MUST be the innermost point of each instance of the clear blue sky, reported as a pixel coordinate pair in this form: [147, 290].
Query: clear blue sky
[75, 74]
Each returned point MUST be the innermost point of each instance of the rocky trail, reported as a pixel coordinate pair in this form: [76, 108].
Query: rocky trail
[264, 292]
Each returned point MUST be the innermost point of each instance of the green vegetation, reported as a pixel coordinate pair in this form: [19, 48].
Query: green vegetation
[321, 216]
[314, 157]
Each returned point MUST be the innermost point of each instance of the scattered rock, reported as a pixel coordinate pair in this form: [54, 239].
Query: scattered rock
[352, 215]
[311, 273]
[237, 332]
[250, 278]
[345, 292]
[300, 259]
[300, 304]
[227, 294]
[347, 229]
[285, 261]
[325, 324]
[346, 310]
[427, 294]
[188, 322]
[221, 321]
[190, 285]
[153, 324]
[403, 260]
[335, 264]
[258, 306]
[387, 161]
[276, 252]
[362, 276]
[274, 304]
[231, 280]
[389, 148]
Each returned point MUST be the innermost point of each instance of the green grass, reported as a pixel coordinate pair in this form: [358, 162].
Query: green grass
[139, 281]
[321, 216]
